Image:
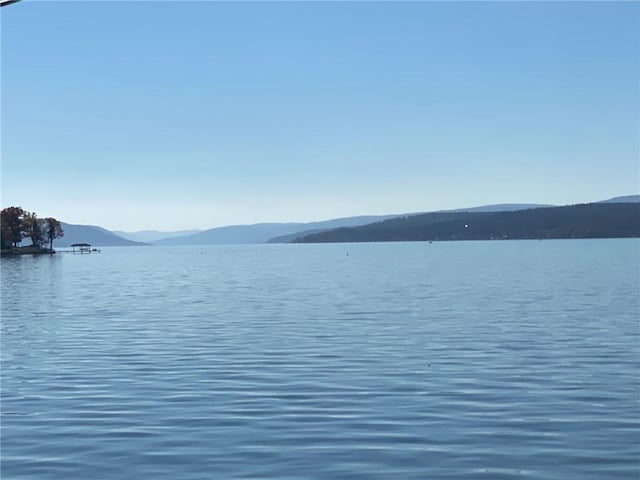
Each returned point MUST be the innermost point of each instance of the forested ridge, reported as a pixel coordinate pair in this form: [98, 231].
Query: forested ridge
[593, 220]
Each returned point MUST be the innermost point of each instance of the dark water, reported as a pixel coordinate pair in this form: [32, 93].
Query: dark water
[492, 360]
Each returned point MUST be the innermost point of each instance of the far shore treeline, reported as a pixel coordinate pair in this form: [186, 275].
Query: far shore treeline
[18, 224]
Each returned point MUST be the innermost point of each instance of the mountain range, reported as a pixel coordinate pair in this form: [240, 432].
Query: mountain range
[261, 232]
[92, 235]
[500, 207]
[593, 220]
[153, 235]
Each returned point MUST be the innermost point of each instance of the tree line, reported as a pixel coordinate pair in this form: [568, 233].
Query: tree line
[18, 224]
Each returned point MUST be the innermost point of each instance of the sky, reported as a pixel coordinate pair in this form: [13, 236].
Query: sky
[181, 115]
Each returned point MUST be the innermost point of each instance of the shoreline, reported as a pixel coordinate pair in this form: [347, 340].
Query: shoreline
[30, 250]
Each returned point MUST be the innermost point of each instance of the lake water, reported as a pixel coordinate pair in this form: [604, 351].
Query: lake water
[452, 360]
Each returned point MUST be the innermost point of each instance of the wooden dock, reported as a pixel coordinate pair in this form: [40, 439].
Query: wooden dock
[80, 248]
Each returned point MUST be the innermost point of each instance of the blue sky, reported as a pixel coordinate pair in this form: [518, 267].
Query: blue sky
[172, 115]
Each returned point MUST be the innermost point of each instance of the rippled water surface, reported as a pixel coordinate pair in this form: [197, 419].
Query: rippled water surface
[492, 360]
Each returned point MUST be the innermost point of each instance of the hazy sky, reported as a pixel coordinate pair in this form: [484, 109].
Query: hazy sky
[172, 115]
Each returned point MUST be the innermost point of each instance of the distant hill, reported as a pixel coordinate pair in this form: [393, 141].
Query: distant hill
[624, 199]
[95, 236]
[290, 237]
[269, 232]
[232, 234]
[287, 232]
[262, 232]
[594, 220]
[153, 235]
[501, 207]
